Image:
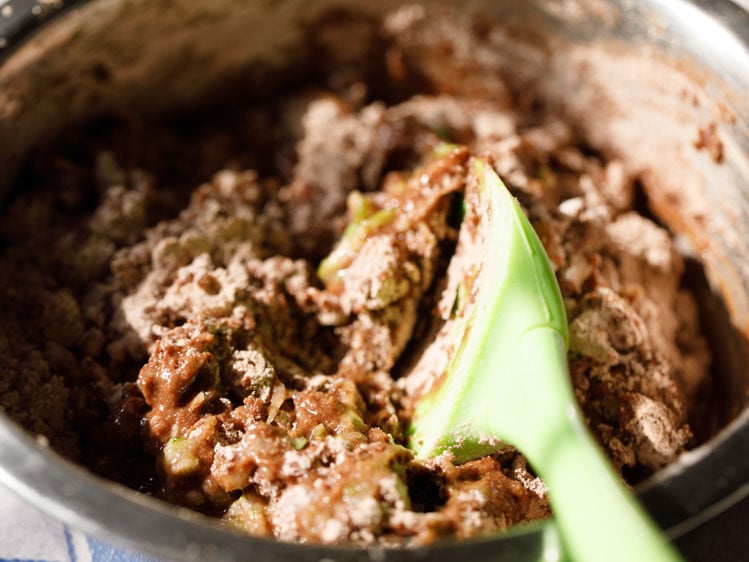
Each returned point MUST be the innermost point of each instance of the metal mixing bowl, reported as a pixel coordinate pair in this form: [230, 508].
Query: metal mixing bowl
[639, 78]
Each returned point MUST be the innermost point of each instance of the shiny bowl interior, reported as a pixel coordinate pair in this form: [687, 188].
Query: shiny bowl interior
[656, 71]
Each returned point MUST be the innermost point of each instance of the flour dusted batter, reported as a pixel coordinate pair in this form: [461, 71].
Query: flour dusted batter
[237, 315]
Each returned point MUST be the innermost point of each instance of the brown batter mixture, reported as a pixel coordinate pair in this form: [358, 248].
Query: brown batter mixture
[251, 348]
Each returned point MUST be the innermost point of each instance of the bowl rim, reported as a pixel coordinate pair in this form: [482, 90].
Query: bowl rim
[20, 19]
[107, 509]
[69, 492]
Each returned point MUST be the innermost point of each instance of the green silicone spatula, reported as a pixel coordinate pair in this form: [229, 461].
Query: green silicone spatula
[508, 382]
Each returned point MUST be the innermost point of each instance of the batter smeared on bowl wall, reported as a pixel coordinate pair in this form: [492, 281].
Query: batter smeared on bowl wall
[236, 313]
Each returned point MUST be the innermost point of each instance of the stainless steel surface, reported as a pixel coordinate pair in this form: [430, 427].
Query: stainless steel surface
[702, 46]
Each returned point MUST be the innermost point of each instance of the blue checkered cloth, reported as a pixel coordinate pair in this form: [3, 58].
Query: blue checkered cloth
[27, 535]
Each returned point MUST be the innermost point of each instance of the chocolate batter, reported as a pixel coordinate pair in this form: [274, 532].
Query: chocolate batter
[236, 314]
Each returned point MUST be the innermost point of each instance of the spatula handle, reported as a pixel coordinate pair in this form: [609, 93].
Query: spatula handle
[598, 518]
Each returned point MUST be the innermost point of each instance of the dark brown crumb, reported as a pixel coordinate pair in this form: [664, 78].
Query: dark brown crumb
[709, 140]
